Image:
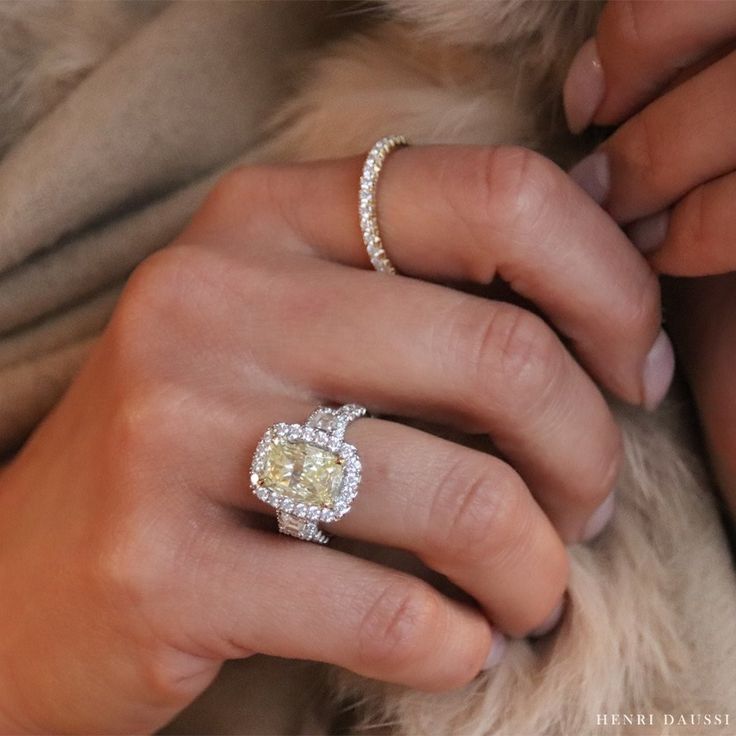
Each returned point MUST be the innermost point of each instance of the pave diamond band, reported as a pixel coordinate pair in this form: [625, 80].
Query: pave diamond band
[367, 210]
[307, 472]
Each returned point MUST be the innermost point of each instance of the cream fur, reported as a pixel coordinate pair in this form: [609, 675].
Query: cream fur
[650, 628]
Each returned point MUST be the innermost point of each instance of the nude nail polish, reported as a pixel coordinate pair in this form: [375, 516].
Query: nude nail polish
[648, 234]
[498, 649]
[659, 368]
[599, 519]
[549, 623]
[584, 87]
[593, 175]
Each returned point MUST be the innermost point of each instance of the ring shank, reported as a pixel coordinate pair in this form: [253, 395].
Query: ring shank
[368, 209]
[308, 531]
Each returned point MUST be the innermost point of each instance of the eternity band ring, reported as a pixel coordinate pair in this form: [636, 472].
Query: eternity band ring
[307, 472]
[368, 210]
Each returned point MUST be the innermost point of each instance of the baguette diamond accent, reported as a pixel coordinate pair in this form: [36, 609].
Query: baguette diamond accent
[307, 472]
[367, 209]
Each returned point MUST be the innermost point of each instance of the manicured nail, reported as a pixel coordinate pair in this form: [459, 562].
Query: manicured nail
[659, 367]
[600, 518]
[593, 175]
[649, 233]
[498, 649]
[550, 622]
[584, 87]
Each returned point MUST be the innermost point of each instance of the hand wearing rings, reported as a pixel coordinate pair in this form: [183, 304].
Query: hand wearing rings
[263, 311]
[308, 473]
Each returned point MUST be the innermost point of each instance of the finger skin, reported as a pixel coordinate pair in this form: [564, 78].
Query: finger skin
[680, 140]
[150, 572]
[294, 599]
[481, 366]
[471, 214]
[407, 348]
[644, 44]
[701, 234]
[308, 339]
[466, 514]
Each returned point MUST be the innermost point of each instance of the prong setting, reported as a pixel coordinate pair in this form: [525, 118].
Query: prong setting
[322, 435]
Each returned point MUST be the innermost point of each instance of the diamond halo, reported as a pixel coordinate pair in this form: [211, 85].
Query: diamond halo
[307, 472]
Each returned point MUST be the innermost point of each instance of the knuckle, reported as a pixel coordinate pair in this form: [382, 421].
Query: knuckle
[396, 632]
[159, 293]
[515, 350]
[168, 280]
[243, 200]
[499, 188]
[237, 185]
[479, 507]
[515, 185]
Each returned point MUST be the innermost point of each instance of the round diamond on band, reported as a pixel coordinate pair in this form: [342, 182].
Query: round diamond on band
[367, 210]
[307, 472]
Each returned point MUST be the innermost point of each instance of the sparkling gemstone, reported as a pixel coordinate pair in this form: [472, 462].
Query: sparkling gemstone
[303, 472]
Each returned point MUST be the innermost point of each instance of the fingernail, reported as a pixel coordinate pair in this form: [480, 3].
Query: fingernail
[498, 649]
[659, 367]
[649, 233]
[593, 175]
[550, 622]
[584, 87]
[599, 519]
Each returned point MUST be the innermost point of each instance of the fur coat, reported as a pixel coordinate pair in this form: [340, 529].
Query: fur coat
[115, 119]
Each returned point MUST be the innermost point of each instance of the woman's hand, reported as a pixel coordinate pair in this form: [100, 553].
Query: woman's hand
[134, 558]
[669, 172]
[667, 73]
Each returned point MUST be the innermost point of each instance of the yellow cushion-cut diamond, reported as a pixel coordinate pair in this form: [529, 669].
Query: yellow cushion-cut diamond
[303, 472]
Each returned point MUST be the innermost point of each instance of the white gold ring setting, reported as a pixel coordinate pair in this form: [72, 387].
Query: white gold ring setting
[307, 472]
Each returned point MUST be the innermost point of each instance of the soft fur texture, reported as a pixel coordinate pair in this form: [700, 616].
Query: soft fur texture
[650, 627]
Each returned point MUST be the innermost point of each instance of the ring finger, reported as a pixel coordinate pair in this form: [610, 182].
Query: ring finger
[478, 365]
[409, 348]
[464, 513]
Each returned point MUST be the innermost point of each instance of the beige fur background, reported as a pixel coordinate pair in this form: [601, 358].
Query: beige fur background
[117, 118]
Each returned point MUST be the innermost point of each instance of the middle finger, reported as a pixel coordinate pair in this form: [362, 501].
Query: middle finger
[464, 213]
[409, 348]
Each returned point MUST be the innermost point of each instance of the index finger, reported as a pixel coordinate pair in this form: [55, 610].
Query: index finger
[470, 214]
[639, 47]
